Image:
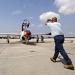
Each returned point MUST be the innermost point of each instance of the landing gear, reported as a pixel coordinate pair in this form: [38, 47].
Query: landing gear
[25, 40]
[7, 39]
[37, 40]
[42, 39]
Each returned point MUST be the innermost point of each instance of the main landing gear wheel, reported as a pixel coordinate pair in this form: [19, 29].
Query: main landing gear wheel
[37, 39]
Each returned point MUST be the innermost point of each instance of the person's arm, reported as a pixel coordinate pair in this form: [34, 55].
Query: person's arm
[48, 24]
[49, 20]
[48, 33]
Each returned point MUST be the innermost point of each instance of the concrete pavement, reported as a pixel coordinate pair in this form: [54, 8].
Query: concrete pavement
[33, 59]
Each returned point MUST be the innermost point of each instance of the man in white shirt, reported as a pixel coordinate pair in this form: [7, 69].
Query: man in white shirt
[57, 33]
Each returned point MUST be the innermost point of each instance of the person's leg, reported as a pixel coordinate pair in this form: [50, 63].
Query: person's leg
[62, 51]
[56, 53]
[68, 61]
[64, 54]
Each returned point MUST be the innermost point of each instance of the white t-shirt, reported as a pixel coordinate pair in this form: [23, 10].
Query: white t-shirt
[56, 28]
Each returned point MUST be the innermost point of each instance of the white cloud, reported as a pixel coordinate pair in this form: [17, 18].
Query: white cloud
[66, 6]
[48, 15]
[17, 12]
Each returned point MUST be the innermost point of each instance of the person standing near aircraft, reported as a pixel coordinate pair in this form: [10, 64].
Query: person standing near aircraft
[25, 25]
[25, 33]
[57, 33]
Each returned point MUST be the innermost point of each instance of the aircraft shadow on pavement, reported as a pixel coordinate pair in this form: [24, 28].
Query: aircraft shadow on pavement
[30, 43]
[19, 42]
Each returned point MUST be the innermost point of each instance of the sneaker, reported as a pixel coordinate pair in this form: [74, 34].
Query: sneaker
[53, 60]
[69, 66]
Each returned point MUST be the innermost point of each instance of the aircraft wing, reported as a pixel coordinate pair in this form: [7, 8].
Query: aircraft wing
[40, 36]
[17, 36]
[10, 35]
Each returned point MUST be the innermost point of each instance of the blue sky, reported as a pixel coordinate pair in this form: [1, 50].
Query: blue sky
[13, 12]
